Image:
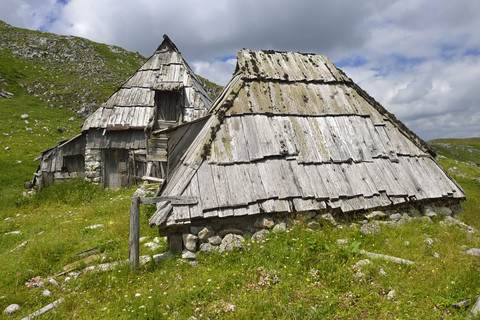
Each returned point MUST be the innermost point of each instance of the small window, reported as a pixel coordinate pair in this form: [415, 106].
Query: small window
[168, 105]
[74, 163]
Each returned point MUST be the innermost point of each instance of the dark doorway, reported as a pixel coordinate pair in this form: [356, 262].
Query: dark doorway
[115, 172]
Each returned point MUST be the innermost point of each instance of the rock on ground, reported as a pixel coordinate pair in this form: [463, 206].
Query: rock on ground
[190, 241]
[259, 235]
[231, 241]
[11, 309]
[186, 254]
[473, 252]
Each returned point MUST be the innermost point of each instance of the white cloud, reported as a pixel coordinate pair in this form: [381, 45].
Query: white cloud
[217, 71]
[409, 54]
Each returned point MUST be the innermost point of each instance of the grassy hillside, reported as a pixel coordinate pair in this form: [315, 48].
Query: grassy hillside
[46, 78]
[62, 71]
[299, 274]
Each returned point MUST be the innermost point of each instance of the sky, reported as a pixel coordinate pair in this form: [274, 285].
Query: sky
[419, 58]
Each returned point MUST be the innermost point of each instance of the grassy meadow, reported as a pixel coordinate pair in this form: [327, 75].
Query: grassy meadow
[294, 275]
[298, 274]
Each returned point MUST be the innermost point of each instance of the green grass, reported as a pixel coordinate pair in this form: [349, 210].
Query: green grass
[295, 275]
[299, 274]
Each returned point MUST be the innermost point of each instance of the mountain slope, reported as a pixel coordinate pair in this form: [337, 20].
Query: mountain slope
[62, 71]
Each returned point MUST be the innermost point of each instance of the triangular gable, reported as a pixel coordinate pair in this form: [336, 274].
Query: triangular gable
[291, 132]
[132, 105]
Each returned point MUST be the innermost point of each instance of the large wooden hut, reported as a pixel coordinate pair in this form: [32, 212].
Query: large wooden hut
[122, 141]
[292, 133]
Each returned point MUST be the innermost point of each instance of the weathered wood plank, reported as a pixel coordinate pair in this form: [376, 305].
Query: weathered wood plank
[268, 146]
[208, 193]
[319, 181]
[235, 187]
[304, 186]
[284, 134]
[238, 144]
[181, 213]
[225, 212]
[221, 183]
[251, 136]
[305, 204]
[256, 182]
[134, 236]
[196, 209]
[175, 200]
[267, 179]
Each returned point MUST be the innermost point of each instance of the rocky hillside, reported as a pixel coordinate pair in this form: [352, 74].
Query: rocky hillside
[63, 71]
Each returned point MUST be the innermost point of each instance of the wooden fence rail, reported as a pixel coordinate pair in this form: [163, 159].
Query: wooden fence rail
[134, 238]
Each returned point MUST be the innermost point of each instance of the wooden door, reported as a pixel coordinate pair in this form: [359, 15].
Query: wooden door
[115, 172]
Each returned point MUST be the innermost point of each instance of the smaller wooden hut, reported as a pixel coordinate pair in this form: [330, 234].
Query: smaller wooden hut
[123, 141]
[292, 133]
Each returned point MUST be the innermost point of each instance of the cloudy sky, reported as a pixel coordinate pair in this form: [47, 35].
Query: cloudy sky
[419, 58]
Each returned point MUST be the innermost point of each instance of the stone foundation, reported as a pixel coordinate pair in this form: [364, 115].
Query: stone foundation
[93, 165]
[221, 235]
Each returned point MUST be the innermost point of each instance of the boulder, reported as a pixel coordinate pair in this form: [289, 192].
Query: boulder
[473, 252]
[207, 247]
[443, 211]
[429, 212]
[280, 227]
[53, 282]
[259, 235]
[395, 217]
[11, 309]
[187, 254]
[264, 223]
[190, 241]
[46, 293]
[152, 245]
[475, 312]
[215, 240]
[161, 257]
[205, 234]
[231, 241]
[223, 233]
[376, 215]
[327, 219]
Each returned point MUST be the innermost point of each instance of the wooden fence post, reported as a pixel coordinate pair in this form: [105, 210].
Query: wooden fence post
[134, 232]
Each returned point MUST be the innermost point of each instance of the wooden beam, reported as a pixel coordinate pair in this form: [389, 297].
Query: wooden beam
[134, 240]
[180, 200]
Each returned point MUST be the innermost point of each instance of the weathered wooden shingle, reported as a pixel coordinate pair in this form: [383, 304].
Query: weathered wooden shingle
[165, 70]
[292, 132]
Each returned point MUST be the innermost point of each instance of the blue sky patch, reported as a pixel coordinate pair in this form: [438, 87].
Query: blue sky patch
[472, 52]
[226, 58]
[353, 60]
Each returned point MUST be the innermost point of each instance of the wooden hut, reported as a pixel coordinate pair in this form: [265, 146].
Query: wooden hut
[123, 141]
[292, 133]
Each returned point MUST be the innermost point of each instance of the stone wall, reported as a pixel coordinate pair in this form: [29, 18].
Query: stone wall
[221, 235]
[93, 165]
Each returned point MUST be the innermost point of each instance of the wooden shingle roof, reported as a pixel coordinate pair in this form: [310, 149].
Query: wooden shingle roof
[131, 106]
[291, 132]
